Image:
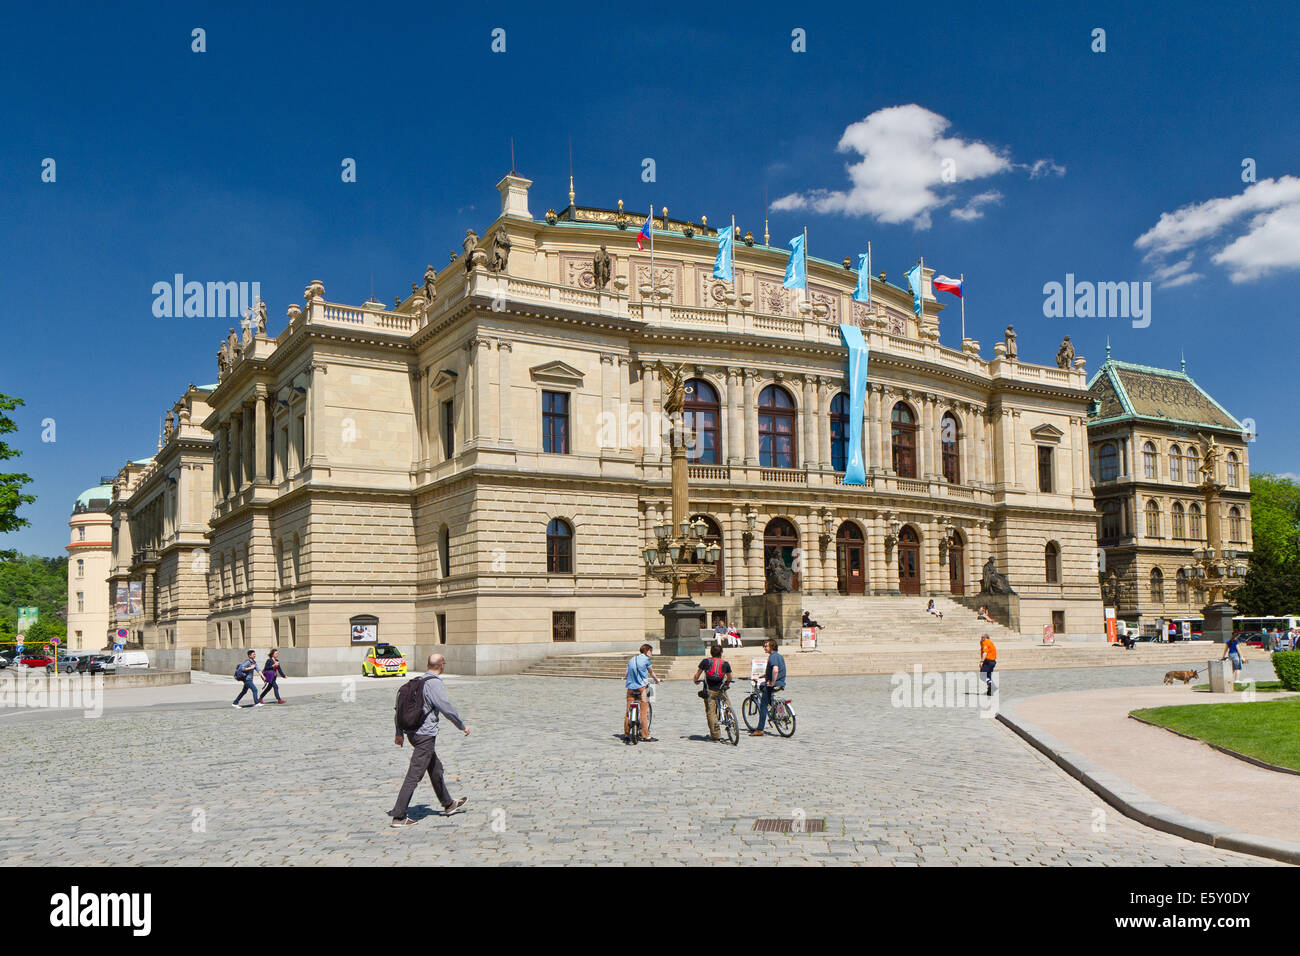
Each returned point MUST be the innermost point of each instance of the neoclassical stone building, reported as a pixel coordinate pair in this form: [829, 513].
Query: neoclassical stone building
[89, 557]
[160, 509]
[479, 467]
[1147, 433]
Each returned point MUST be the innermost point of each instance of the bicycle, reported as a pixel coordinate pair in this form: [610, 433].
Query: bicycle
[634, 715]
[781, 713]
[726, 716]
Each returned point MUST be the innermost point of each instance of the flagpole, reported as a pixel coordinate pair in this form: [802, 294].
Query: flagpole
[731, 244]
[920, 296]
[868, 270]
[805, 264]
[651, 226]
[963, 310]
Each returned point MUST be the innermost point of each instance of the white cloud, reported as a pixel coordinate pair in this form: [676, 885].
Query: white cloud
[908, 168]
[972, 208]
[1044, 167]
[1264, 219]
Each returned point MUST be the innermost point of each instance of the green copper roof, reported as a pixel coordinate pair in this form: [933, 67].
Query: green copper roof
[1125, 390]
[98, 493]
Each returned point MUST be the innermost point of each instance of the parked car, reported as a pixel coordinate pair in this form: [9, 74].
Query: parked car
[384, 660]
[1258, 639]
[102, 664]
[66, 665]
[131, 660]
[36, 660]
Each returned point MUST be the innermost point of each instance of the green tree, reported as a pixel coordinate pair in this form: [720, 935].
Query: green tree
[32, 581]
[11, 485]
[1272, 584]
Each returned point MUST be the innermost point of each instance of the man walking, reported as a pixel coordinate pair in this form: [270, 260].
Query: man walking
[245, 672]
[773, 680]
[988, 661]
[640, 672]
[717, 675]
[425, 757]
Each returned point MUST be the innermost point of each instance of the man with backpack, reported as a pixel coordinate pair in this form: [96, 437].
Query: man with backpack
[717, 675]
[419, 703]
[244, 674]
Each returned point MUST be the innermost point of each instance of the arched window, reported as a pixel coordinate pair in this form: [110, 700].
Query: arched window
[1107, 462]
[781, 540]
[839, 432]
[949, 435]
[1052, 563]
[712, 535]
[1149, 460]
[1112, 518]
[700, 415]
[1194, 521]
[1234, 469]
[1178, 529]
[1153, 519]
[559, 547]
[902, 434]
[1175, 464]
[1191, 462]
[1157, 586]
[1181, 587]
[81, 568]
[1234, 524]
[444, 550]
[776, 430]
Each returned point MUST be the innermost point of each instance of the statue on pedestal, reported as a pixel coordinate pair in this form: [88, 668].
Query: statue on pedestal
[259, 316]
[780, 579]
[992, 582]
[500, 251]
[429, 277]
[470, 245]
[1065, 354]
[169, 425]
[600, 267]
[1011, 342]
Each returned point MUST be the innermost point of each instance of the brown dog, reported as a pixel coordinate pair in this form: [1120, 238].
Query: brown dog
[1185, 676]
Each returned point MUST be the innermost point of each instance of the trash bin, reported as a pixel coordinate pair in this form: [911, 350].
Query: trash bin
[1220, 673]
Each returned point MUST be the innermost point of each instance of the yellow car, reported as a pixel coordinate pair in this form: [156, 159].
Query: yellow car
[384, 660]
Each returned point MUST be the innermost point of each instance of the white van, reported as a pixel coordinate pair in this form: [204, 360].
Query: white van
[130, 659]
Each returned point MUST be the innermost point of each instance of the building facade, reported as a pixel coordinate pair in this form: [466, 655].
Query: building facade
[1147, 434]
[478, 468]
[159, 515]
[90, 548]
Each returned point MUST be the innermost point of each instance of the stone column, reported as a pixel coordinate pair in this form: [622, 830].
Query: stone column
[809, 422]
[825, 392]
[608, 402]
[751, 418]
[236, 447]
[260, 434]
[925, 438]
[649, 421]
[735, 430]
[936, 434]
[315, 411]
[735, 577]
[484, 413]
[624, 402]
[1081, 483]
[875, 424]
[503, 391]
[980, 456]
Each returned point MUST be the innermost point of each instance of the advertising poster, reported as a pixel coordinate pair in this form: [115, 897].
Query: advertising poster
[120, 600]
[135, 603]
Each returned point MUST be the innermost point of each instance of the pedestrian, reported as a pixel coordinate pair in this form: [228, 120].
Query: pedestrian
[773, 680]
[244, 672]
[988, 661]
[640, 672]
[1232, 650]
[425, 757]
[271, 674]
[717, 676]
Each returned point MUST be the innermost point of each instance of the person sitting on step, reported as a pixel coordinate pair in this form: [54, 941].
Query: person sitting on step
[934, 610]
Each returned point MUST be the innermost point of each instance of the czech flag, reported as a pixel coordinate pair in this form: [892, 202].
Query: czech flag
[945, 284]
[644, 233]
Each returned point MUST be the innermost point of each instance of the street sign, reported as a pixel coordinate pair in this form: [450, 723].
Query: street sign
[117, 647]
[55, 641]
[121, 632]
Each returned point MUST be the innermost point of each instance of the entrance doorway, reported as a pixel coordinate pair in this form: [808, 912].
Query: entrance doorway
[956, 565]
[850, 576]
[909, 561]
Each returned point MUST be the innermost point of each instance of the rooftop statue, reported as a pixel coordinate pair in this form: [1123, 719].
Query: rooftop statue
[600, 266]
[500, 251]
[1065, 354]
[429, 289]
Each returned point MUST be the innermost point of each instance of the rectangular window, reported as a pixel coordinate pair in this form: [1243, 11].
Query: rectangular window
[555, 422]
[81, 601]
[1058, 623]
[448, 430]
[563, 625]
[81, 568]
[1044, 468]
[81, 532]
[293, 632]
[442, 628]
[277, 630]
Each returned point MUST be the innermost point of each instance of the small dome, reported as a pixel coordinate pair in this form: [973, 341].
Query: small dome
[93, 499]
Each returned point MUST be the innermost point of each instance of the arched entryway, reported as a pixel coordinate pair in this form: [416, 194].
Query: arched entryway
[781, 539]
[909, 561]
[957, 564]
[851, 576]
[712, 535]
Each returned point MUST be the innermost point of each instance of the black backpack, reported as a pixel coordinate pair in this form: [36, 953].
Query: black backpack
[410, 705]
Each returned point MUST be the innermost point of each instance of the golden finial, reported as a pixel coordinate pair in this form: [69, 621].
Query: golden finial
[767, 237]
[620, 205]
[704, 221]
[570, 189]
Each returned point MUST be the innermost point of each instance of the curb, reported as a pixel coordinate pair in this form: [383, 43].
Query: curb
[1137, 805]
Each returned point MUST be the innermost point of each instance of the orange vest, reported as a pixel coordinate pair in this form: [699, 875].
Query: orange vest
[987, 650]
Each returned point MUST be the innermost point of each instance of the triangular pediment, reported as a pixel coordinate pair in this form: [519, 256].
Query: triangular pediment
[1046, 432]
[444, 378]
[556, 373]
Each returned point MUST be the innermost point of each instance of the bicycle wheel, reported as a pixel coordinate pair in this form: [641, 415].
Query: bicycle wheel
[633, 726]
[729, 726]
[749, 710]
[783, 719]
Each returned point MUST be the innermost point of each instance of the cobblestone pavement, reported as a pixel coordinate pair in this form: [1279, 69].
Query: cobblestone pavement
[549, 782]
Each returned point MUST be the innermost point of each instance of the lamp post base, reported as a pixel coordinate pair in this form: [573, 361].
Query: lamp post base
[1218, 622]
[682, 629]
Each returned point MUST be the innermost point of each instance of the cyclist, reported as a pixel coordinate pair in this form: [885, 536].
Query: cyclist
[717, 678]
[773, 680]
[640, 672]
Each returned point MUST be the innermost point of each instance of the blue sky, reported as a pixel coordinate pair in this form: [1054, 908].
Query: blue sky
[225, 166]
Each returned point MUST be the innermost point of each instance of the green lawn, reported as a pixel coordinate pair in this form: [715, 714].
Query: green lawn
[1268, 730]
[1267, 686]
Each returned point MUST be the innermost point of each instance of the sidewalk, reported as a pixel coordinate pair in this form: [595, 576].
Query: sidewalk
[1167, 781]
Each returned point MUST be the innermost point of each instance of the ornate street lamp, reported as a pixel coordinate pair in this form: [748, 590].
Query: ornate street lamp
[681, 554]
[1213, 566]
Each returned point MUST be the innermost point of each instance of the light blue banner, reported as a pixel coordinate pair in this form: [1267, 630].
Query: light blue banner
[855, 472]
[796, 270]
[722, 264]
[914, 280]
[863, 291]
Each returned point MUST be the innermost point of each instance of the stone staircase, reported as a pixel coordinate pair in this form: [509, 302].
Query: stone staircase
[851, 621]
[900, 657]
